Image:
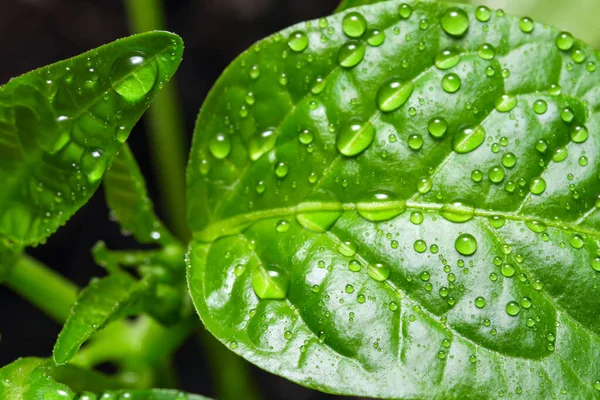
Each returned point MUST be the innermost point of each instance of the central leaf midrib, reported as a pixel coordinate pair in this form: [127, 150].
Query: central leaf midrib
[229, 226]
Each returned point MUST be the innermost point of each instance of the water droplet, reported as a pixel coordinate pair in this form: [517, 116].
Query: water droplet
[393, 306]
[355, 137]
[379, 272]
[537, 186]
[133, 76]
[567, 114]
[380, 207]
[347, 248]
[540, 106]
[468, 139]
[451, 83]
[496, 174]
[254, 72]
[447, 59]
[466, 244]
[424, 185]
[564, 41]
[487, 51]
[455, 22]
[298, 41]
[526, 24]
[512, 308]
[270, 282]
[349, 289]
[437, 127]
[306, 137]
[560, 154]
[483, 14]
[576, 241]
[416, 218]
[283, 226]
[508, 270]
[509, 160]
[404, 11]
[506, 103]
[579, 134]
[480, 302]
[393, 94]
[458, 212]
[526, 303]
[220, 146]
[94, 163]
[354, 265]
[476, 175]
[239, 270]
[351, 54]
[415, 141]
[354, 24]
[596, 264]
[376, 37]
[536, 226]
[262, 143]
[420, 246]
[281, 169]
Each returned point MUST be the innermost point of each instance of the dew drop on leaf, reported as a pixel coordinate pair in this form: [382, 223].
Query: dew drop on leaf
[540, 106]
[468, 139]
[483, 14]
[455, 22]
[564, 41]
[437, 127]
[486, 51]
[512, 308]
[420, 246]
[506, 103]
[393, 94]
[479, 302]
[354, 266]
[579, 134]
[451, 83]
[354, 24]
[466, 244]
[380, 207]
[576, 241]
[94, 163]
[220, 146]
[298, 41]
[262, 143]
[404, 10]
[270, 282]
[537, 186]
[526, 24]
[351, 54]
[375, 37]
[458, 212]
[379, 272]
[447, 59]
[355, 137]
[508, 270]
[133, 76]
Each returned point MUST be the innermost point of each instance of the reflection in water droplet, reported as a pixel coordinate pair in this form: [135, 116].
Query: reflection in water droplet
[455, 21]
[393, 94]
[270, 282]
[133, 76]
[355, 137]
[468, 139]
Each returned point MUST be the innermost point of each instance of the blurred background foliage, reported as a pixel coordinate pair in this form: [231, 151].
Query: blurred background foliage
[34, 33]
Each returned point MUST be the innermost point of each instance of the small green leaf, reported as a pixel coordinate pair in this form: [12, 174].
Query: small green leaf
[128, 199]
[102, 301]
[415, 216]
[61, 125]
[36, 378]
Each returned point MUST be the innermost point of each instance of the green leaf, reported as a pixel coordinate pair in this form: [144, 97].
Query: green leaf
[102, 301]
[36, 378]
[445, 247]
[127, 197]
[61, 125]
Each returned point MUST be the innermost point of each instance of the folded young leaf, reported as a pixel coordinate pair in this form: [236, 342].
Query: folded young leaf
[401, 201]
[61, 125]
[127, 197]
[102, 301]
[36, 378]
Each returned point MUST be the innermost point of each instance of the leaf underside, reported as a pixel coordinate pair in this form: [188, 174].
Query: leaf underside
[294, 241]
[61, 125]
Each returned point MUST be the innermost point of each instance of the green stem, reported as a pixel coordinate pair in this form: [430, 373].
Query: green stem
[43, 287]
[165, 125]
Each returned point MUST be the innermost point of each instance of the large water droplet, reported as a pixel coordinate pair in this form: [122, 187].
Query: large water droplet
[133, 76]
[380, 207]
[447, 59]
[376, 37]
[262, 143]
[379, 272]
[393, 94]
[270, 282]
[579, 134]
[506, 103]
[486, 51]
[480, 302]
[455, 22]
[483, 14]
[466, 244]
[220, 146]
[437, 127]
[451, 83]
[526, 24]
[298, 41]
[537, 186]
[513, 308]
[351, 54]
[458, 212]
[564, 41]
[354, 24]
[355, 137]
[94, 164]
[404, 10]
[468, 139]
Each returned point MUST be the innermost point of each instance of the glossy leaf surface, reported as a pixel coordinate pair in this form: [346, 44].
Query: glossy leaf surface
[127, 197]
[409, 214]
[61, 125]
[100, 302]
[34, 378]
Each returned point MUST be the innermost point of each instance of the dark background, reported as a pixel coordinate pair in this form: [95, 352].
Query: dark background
[34, 33]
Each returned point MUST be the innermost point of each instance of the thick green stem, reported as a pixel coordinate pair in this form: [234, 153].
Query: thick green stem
[165, 125]
[43, 287]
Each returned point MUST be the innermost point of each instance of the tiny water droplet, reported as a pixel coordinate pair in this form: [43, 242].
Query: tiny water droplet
[262, 143]
[537, 186]
[486, 51]
[579, 134]
[379, 272]
[94, 163]
[526, 24]
[376, 37]
[404, 10]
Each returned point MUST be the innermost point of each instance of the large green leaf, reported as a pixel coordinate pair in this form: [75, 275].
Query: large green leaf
[35, 378]
[102, 301]
[127, 196]
[348, 240]
[61, 125]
